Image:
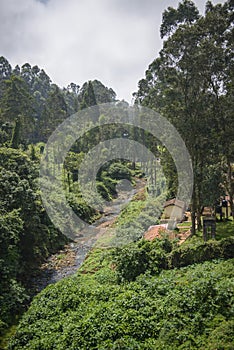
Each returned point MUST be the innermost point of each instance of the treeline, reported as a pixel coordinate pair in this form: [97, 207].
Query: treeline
[31, 106]
[191, 83]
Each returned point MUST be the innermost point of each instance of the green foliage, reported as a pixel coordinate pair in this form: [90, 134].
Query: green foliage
[110, 174]
[182, 308]
[28, 91]
[135, 219]
[119, 171]
[130, 212]
[80, 208]
[18, 103]
[26, 235]
[103, 191]
[89, 98]
[191, 84]
[53, 113]
[15, 140]
[224, 229]
[110, 186]
[188, 255]
[102, 93]
[221, 337]
[137, 258]
[186, 13]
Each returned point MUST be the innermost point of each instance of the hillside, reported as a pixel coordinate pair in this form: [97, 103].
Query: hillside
[117, 220]
[190, 307]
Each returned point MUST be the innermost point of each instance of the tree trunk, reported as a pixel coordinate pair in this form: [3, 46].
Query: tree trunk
[230, 187]
[193, 218]
[199, 224]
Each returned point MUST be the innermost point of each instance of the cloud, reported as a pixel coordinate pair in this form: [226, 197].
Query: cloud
[77, 40]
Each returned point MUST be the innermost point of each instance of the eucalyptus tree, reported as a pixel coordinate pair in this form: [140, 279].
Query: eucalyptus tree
[17, 107]
[54, 113]
[187, 84]
[5, 73]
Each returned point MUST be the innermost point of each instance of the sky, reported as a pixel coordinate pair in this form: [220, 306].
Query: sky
[113, 41]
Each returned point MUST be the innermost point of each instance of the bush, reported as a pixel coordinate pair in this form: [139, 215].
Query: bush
[119, 171]
[80, 208]
[137, 258]
[103, 191]
[110, 185]
[201, 252]
[189, 308]
[221, 338]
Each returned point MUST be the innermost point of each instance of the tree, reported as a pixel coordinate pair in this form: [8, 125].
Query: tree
[16, 134]
[187, 83]
[71, 97]
[185, 13]
[16, 102]
[100, 93]
[5, 73]
[88, 98]
[54, 113]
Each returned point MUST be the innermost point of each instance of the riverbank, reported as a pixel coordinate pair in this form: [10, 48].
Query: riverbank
[68, 260]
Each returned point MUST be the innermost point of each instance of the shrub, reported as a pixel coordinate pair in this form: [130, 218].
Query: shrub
[103, 191]
[221, 338]
[177, 309]
[137, 258]
[201, 252]
[119, 171]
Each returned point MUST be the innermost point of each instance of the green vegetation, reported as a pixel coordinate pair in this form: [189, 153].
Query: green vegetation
[31, 107]
[152, 257]
[137, 295]
[224, 229]
[26, 234]
[190, 307]
[191, 84]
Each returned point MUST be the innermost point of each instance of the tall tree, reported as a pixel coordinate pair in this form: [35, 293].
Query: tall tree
[15, 140]
[186, 84]
[18, 103]
[54, 113]
[172, 18]
[5, 73]
[89, 100]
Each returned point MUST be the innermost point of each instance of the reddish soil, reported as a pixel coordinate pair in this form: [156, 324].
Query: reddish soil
[158, 231]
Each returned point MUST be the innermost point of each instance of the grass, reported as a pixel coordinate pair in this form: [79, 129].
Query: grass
[185, 224]
[105, 240]
[224, 229]
[130, 212]
[94, 261]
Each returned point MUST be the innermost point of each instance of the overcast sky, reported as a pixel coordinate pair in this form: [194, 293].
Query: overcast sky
[113, 41]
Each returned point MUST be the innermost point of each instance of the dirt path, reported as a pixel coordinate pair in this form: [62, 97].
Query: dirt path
[67, 261]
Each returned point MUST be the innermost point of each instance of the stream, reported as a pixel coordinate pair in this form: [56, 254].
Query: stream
[66, 262]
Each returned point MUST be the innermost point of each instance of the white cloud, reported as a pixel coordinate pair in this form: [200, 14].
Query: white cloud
[77, 40]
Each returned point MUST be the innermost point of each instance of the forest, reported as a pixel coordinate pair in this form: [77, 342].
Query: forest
[139, 294]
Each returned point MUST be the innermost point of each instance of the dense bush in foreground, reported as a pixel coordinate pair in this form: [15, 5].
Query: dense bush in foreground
[187, 308]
